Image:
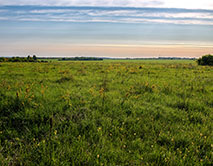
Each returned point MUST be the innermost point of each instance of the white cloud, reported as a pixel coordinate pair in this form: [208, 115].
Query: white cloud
[192, 4]
[135, 3]
[121, 15]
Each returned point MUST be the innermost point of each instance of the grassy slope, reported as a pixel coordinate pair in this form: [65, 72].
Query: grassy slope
[106, 113]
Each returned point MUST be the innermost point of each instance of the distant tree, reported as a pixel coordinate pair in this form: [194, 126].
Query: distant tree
[34, 58]
[206, 60]
[3, 59]
[20, 59]
[81, 59]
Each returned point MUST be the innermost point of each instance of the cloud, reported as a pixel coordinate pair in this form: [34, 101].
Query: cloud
[107, 14]
[132, 3]
[191, 4]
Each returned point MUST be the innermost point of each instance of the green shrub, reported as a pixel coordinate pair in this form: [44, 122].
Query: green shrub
[20, 59]
[206, 60]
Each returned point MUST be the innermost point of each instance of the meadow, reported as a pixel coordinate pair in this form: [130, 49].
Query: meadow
[143, 112]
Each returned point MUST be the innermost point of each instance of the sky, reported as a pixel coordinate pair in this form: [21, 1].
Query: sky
[106, 28]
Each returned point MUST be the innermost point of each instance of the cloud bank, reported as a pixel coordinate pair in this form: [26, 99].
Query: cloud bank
[191, 4]
[129, 3]
[107, 14]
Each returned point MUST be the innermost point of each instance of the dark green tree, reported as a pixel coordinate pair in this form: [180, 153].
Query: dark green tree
[34, 58]
[206, 60]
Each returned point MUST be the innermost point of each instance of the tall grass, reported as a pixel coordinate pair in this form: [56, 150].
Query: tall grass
[106, 113]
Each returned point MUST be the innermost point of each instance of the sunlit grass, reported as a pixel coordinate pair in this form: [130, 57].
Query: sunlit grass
[106, 113]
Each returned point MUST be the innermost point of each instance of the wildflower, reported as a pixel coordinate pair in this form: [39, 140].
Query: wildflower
[134, 133]
[92, 92]
[99, 129]
[101, 91]
[55, 132]
[42, 91]
[98, 156]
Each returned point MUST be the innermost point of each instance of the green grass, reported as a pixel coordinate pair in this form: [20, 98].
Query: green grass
[106, 113]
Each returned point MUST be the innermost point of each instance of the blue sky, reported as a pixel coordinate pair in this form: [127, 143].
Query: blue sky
[119, 29]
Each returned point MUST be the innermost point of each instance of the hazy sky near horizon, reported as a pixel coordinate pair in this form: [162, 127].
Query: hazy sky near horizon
[122, 28]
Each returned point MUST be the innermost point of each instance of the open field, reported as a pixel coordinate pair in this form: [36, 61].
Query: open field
[106, 113]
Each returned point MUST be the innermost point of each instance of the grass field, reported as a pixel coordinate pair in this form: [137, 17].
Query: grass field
[106, 113]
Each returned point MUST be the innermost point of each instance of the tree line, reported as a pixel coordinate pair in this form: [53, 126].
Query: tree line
[20, 59]
[81, 59]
